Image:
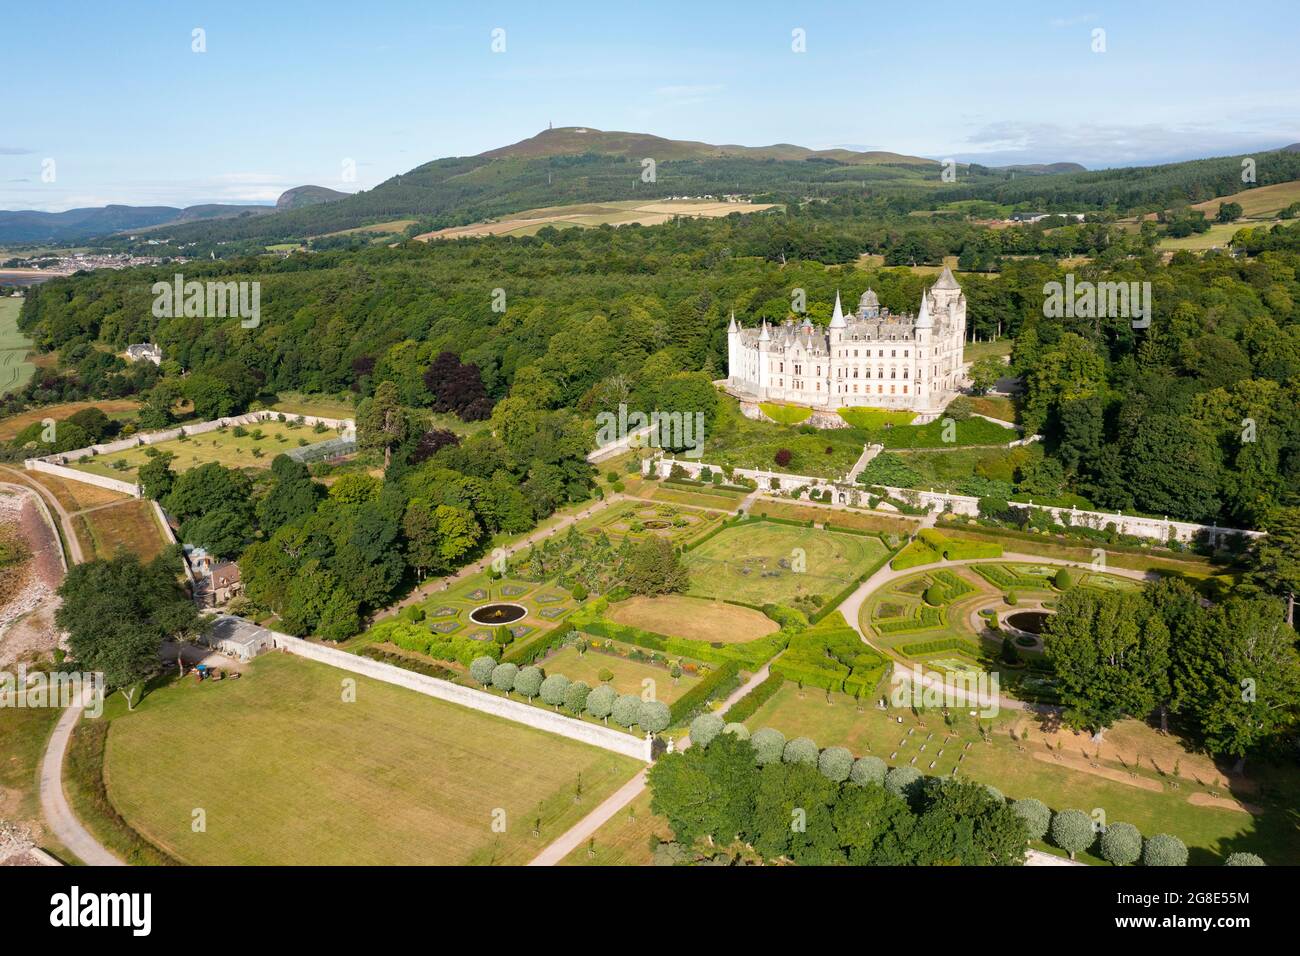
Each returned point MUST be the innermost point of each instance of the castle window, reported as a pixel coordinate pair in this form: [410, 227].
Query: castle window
[893, 353]
[904, 389]
[906, 352]
[904, 373]
[855, 390]
[855, 372]
[855, 353]
[891, 390]
[880, 389]
[893, 373]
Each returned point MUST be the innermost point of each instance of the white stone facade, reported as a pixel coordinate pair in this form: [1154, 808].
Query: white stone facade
[869, 358]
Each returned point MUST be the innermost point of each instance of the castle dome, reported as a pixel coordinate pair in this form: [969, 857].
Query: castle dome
[869, 300]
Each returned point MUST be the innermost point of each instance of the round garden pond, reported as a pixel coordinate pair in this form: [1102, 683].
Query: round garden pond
[1032, 622]
[500, 613]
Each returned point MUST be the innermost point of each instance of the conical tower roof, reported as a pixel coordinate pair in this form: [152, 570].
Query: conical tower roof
[946, 280]
[837, 317]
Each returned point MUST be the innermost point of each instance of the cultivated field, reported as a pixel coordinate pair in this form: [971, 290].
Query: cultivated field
[15, 370]
[255, 449]
[287, 773]
[758, 562]
[587, 215]
[131, 526]
[1258, 202]
[693, 618]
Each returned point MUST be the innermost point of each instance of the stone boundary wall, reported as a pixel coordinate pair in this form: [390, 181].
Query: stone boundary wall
[55, 464]
[74, 474]
[629, 745]
[1159, 529]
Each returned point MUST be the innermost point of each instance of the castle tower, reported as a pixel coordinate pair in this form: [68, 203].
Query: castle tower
[838, 324]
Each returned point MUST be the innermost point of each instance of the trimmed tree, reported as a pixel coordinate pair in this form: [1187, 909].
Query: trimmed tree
[705, 728]
[600, 702]
[903, 782]
[529, 681]
[868, 770]
[554, 688]
[1164, 850]
[626, 710]
[1243, 859]
[481, 669]
[768, 744]
[575, 698]
[1072, 831]
[800, 750]
[1063, 580]
[835, 763]
[655, 716]
[1036, 814]
[737, 730]
[503, 676]
[1121, 844]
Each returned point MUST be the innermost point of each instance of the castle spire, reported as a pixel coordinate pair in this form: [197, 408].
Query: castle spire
[837, 317]
[923, 320]
[946, 280]
[764, 335]
[732, 327]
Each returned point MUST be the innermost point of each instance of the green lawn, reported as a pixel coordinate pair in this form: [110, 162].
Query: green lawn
[221, 446]
[1152, 804]
[785, 414]
[872, 419]
[15, 370]
[744, 562]
[288, 773]
[629, 676]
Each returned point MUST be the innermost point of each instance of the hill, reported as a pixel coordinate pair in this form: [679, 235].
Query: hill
[301, 196]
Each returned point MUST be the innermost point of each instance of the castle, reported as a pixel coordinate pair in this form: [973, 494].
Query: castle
[875, 358]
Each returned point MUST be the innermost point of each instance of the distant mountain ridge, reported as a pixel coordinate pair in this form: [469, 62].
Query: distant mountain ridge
[72, 225]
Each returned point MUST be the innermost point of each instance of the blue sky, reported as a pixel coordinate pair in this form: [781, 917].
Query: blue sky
[288, 91]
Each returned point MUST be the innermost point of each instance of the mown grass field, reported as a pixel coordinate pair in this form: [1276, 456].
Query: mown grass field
[1027, 768]
[15, 370]
[745, 562]
[588, 215]
[1218, 235]
[223, 447]
[1255, 202]
[693, 618]
[287, 773]
[115, 408]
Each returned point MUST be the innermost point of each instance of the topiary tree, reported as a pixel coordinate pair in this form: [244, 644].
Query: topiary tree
[1011, 598]
[1121, 844]
[1036, 815]
[800, 750]
[605, 675]
[528, 681]
[654, 717]
[934, 595]
[600, 702]
[705, 728]
[1072, 831]
[554, 688]
[1063, 580]
[1243, 859]
[579, 591]
[1164, 850]
[503, 676]
[835, 763]
[903, 782]
[575, 698]
[481, 669]
[737, 730]
[768, 744]
[626, 710]
[868, 770]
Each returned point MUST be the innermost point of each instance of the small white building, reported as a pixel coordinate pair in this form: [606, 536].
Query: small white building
[144, 352]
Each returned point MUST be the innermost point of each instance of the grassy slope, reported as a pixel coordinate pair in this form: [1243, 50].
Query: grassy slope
[15, 370]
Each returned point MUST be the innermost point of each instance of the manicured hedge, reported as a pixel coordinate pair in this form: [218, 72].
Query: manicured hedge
[529, 649]
[684, 707]
[748, 705]
[934, 647]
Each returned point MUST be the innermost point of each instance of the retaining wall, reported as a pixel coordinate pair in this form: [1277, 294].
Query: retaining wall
[1159, 529]
[596, 735]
